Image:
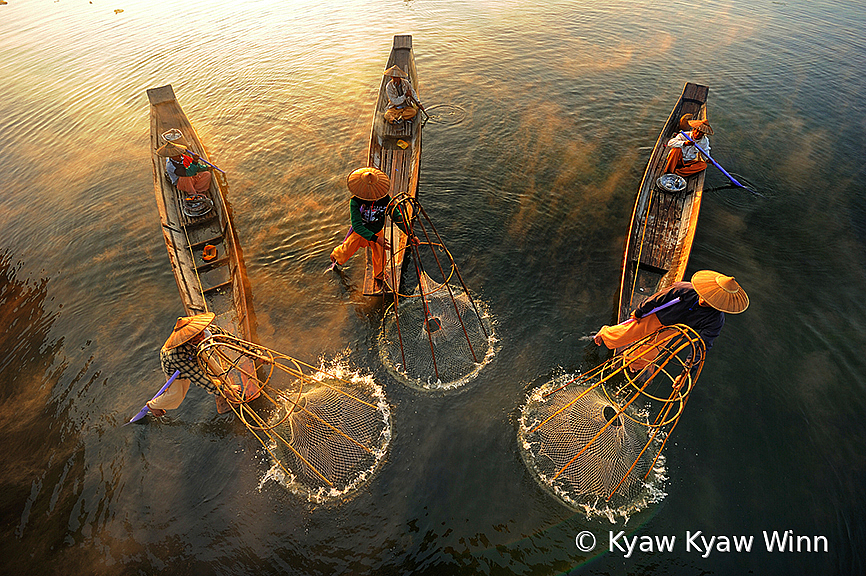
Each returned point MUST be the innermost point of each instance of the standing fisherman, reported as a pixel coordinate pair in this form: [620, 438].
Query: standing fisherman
[702, 305]
[367, 210]
[180, 352]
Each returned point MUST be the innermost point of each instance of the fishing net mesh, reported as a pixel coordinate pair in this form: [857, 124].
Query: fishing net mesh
[589, 456]
[599, 436]
[436, 341]
[329, 438]
[325, 431]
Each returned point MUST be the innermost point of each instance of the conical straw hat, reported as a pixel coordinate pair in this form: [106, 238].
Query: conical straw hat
[170, 149]
[720, 291]
[684, 121]
[368, 184]
[187, 328]
[702, 126]
[395, 72]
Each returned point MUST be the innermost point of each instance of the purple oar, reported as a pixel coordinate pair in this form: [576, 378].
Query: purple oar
[144, 410]
[717, 165]
[653, 311]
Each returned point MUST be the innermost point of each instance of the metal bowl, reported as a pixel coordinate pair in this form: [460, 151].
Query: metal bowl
[197, 205]
[172, 135]
[671, 183]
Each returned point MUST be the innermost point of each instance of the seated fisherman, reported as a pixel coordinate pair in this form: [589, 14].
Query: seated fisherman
[400, 96]
[702, 307]
[184, 169]
[367, 210]
[180, 352]
[684, 158]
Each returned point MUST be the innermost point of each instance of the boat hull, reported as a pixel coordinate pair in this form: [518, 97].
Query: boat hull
[218, 285]
[663, 224]
[396, 151]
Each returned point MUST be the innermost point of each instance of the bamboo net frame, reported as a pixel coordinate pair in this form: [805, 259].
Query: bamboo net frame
[447, 294]
[324, 431]
[600, 435]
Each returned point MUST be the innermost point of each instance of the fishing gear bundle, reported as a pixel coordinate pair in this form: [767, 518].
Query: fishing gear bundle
[325, 431]
[596, 440]
[438, 337]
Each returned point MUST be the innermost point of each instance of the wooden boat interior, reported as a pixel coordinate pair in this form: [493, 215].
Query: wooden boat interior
[663, 223]
[219, 284]
[395, 149]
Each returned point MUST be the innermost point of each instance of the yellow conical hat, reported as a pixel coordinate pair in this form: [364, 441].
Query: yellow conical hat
[395, 72]
[720, 291]
[188, 327]
[369, 184]
[701, 126]
[170, 149]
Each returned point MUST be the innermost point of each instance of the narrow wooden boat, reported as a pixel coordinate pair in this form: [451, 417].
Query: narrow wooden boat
[396, 151]
[220, 284]
[663, 223]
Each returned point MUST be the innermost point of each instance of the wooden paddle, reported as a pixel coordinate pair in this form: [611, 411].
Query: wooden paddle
[420, 107]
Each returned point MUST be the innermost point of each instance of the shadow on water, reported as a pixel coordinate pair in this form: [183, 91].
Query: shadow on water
[33, 422]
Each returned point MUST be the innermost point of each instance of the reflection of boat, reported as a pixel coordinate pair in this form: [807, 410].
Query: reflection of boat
[396, 151]
[663, 223]
[189, 226]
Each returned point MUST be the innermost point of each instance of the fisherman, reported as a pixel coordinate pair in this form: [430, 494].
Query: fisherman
[401, 96]
[367, 209]
[180, 352]
[184, 169]
[702, 305]
[684, 158]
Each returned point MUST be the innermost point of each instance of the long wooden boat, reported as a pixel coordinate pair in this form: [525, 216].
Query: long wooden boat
[396, 151]
[219, 285]
[663, 223]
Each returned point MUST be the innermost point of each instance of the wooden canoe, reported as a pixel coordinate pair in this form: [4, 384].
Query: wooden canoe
[219, 285]
[663, 224]
[396, 151]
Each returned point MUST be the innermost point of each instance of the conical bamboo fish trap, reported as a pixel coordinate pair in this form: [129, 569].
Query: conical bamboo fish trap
[327, 433]
[438, 337]
[596, 440]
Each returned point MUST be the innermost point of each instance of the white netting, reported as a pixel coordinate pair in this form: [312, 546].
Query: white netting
[326, 430]
[595, 440]
[439, 341]
[333, 438]
[577, 453]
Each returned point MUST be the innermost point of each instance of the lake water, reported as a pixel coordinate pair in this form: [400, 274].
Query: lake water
[547, 111]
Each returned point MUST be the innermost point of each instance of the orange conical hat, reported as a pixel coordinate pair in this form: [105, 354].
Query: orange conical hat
[720, 291]
[368, 184]
[187, 328]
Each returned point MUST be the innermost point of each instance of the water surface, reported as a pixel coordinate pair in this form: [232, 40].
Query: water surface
[531, 185]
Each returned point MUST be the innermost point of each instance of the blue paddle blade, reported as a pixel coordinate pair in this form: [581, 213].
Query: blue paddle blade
[141, 414]
[143, 411]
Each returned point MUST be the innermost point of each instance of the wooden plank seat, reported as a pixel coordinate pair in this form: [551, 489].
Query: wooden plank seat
[397, 131]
